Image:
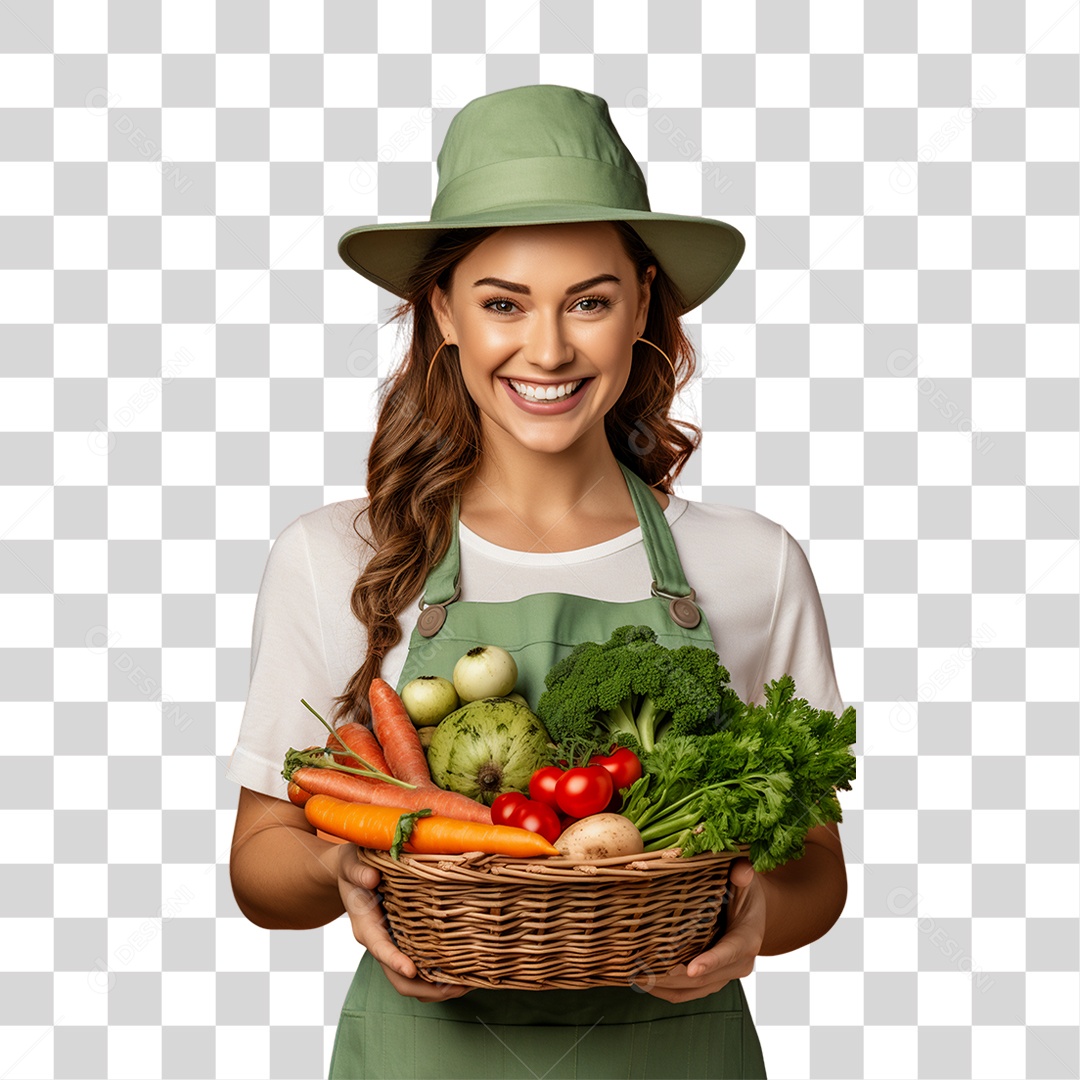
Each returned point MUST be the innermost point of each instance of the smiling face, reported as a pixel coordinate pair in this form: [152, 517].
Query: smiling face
[544, 317]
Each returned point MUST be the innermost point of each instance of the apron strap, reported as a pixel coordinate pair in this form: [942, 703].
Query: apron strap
[442, 586]
[667, 572]
[668, 581]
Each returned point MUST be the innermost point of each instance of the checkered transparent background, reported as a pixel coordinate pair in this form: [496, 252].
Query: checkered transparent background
[891, 373]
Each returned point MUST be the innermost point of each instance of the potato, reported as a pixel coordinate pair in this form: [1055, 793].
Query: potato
[600, 836]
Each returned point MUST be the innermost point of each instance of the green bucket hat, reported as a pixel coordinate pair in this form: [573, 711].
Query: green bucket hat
[536, 155]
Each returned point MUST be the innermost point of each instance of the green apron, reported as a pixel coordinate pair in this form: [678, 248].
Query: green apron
[597, 1032]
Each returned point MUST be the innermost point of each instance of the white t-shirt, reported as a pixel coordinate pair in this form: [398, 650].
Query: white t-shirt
[751, 577]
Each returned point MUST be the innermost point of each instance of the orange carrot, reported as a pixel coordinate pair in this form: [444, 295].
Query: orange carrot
[346, 753]
[341, 785]
[355, 766]
[331, 781]
[397, 734]
[360, 740]
[297, 794]
[374, 827]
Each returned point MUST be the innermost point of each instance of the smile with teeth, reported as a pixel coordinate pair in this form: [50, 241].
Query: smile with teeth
[532, 392]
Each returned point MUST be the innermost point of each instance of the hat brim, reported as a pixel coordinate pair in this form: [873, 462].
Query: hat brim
[697, 253]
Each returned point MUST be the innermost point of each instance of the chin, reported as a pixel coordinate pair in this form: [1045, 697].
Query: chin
[531, 437]
[544, 445]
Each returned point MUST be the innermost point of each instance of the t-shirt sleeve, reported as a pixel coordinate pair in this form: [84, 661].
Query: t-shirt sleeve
[798, 643]
[288, 662]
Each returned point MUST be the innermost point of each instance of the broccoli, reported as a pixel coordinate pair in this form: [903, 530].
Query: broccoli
[634, 691]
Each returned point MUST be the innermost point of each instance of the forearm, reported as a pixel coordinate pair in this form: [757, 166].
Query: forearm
[285, 878]
[804, 897]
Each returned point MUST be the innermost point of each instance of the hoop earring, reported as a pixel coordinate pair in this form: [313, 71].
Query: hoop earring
[431, 366]
[674, 374]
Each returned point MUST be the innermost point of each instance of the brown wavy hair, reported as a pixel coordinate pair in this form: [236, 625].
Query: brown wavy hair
[424, 451]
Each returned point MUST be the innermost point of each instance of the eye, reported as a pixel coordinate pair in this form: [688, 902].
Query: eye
[491, 304]
[601, 302]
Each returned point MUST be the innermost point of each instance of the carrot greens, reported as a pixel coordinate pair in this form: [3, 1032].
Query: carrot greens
[404, 829]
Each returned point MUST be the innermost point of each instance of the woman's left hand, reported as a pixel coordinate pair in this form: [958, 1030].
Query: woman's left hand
[733, 956]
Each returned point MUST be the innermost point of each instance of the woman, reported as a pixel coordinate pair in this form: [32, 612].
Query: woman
[519, 489]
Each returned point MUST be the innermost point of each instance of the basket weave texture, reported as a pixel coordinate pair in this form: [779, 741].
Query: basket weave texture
[551, 924]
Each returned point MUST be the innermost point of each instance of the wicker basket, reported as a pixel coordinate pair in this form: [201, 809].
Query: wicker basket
[555, 923]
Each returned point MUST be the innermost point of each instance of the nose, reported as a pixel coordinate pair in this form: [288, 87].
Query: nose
[546, 343]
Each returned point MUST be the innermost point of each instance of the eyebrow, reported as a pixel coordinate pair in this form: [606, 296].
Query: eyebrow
[512, 286]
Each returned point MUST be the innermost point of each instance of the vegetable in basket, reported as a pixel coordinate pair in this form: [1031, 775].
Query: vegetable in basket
[428, 698]
[487, 747]
[634, 691]
[316, 772]
[385, 828]
[485, 671]
[601, 836]
[397, 734]
[766, 778]
[718, 772]
[322, 770]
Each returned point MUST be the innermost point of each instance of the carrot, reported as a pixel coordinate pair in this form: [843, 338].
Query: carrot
[362, 742]
[341, 785]
[375, 826]
[397, 734]
[357, 766]
[297, 794]
[330, 780]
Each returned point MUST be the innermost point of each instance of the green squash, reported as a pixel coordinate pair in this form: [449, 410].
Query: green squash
[487, 747]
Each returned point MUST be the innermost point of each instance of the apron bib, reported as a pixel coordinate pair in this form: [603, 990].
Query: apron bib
[595, 1032]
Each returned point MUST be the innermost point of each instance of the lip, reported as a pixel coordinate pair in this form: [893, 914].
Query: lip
[547, 407]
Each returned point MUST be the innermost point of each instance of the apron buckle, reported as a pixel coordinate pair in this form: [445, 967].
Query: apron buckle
[432, 616]
[682, 609]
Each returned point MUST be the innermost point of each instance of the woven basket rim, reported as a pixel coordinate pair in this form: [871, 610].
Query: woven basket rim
[547, 870]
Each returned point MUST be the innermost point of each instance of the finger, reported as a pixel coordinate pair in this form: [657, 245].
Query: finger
[675, 977]
[725, 953]
[369, 877]
[423, 990]
[676, 980]
[358, 872]
[378, 942]
[741, 872]
[681, 978]
[691, 992]
[678, 987]
[358, 901]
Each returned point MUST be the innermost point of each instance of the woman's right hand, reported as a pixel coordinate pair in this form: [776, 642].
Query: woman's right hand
[357, 883]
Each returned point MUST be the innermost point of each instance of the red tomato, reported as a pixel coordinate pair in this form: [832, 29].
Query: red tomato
[539, 818]
[542, 784]
[566, 822]
[615, 805]
[584, 791]
[505, 806]
[623, 764]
